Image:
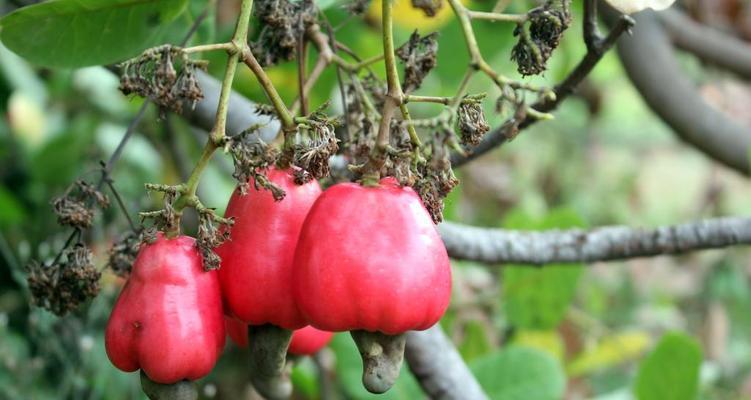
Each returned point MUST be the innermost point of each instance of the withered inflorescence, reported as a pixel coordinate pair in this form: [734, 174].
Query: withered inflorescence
[284, 23]
[74, 207]
[546, 26]
[317, 143]
[419, 57]
[63, 286]
[165, 75]
[251, 156]
[471, 120]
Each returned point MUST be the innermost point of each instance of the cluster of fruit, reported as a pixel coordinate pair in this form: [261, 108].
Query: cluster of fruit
[351, 258]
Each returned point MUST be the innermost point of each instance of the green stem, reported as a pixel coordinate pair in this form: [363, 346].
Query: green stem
[268, 87]
[427, 99]
[239, 38]
[497, 17]
[209, 47]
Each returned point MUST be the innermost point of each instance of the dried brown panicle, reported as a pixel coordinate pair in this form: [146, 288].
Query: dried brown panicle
[317, 143]
[436, 178]
[471, 120]
[211, 236]
[251, 156]
[123, 253]
[62, 287]
[166, 219]
[429, 7]
[419, 57]
[399, 162]
[546, 26]
[284, 22]
[74, 207]
[165, 75]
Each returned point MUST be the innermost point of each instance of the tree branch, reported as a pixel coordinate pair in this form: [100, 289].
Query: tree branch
[710, 45]
[597, 46]
[649, 60]
[489, 245]
[439, 368]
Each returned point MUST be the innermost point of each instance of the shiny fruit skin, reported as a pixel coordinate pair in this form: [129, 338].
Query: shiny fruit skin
[305, 341]
[256, 268]
[168, 320]
[370, 258]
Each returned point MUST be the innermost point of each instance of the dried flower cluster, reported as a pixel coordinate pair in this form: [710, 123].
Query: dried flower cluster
[436, 179]
[419, 58]
[471, 120]
[212, 232]
[63, 286]
[317, 143]
[546, 26]
[284, 24]
[251, 156]
[123, 253]
[74, 207]
[164, 75]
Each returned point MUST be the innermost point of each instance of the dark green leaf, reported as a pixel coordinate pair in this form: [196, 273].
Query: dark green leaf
[520, 373]
[11, 210]
[76, 33]
[475, 343]
[671, 371]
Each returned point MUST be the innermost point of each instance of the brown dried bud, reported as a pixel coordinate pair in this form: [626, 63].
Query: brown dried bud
[318, 143]
[471, 120]
[534, 48]
[419, 57]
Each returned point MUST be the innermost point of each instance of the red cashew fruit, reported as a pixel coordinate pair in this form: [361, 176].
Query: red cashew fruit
[305, 341]
[370, 260]
[256, 268]
[168, 319]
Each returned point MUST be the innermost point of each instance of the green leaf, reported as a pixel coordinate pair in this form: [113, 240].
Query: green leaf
[12, 212]
[538, 298]
[671, 371]
[77, 33]
[476, 342]
[520, 373]
[304, 378]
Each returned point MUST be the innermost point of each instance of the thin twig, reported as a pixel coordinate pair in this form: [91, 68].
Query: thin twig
[564, 89]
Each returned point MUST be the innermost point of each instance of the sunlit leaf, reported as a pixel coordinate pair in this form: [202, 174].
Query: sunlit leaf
[76, 33]
[671, 371]
[610, 351]
[520, 373]
[537, 298]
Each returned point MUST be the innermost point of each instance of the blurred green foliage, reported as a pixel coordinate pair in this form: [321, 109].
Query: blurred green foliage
[572, 331]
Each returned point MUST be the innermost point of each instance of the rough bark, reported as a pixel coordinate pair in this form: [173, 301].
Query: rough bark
[489, 245]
